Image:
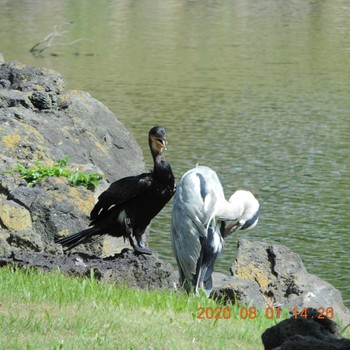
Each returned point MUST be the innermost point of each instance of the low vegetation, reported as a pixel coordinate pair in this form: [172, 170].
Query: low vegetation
[40, 171]
[52, 311]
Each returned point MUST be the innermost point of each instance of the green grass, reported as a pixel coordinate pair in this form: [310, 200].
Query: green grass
[39, 171]
[52, 311]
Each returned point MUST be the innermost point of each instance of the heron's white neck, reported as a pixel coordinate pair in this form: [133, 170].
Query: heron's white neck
[241, 204]
[229, 210]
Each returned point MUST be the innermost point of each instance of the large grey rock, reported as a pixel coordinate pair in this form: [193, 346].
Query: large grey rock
[267, 276]
[242, 291]
[283, 279]
[142, 271]
[76, 124]
[41, 121]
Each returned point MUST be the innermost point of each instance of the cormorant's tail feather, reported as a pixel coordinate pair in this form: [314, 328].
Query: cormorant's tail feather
[75, 239]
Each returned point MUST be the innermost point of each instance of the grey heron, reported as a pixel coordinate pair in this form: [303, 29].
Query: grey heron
[127, 207]
[201, 219]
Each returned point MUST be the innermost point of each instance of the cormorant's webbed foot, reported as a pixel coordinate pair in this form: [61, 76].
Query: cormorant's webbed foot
[139, 248]
[143, 250]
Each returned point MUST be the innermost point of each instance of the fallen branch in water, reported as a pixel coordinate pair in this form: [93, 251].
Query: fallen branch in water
[47, 42]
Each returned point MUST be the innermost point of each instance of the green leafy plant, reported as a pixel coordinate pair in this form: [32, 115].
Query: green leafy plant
[39, 171]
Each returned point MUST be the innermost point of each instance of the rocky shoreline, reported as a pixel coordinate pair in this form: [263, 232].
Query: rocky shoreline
[137, 271]
[250, 283]
[41, 121]
[306, 329]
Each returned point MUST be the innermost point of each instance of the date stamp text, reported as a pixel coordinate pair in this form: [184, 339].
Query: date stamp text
[252, 313]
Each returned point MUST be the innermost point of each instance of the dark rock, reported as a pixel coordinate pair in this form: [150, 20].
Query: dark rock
[142, 271]
[298, 342]
[41, 121]
[283, 279]
[27, 78]
[41, 100]
[311, 332]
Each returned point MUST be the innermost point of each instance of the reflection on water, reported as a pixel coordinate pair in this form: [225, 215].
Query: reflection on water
[259, 91]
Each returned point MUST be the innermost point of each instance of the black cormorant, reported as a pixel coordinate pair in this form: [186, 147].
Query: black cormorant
[127, 207]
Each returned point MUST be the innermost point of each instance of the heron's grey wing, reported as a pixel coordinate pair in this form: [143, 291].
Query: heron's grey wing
[193, 209]
[186, 244]
[211, 248]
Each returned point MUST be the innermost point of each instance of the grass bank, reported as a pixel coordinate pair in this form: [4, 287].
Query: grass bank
[52, 311]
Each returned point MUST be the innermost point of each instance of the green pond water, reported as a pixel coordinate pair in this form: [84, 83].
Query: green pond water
[257, 90]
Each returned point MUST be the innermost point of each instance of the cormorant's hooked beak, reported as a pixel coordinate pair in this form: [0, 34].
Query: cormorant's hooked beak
[161, 144]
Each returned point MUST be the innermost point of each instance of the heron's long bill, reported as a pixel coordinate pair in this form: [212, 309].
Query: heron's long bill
[231, 227]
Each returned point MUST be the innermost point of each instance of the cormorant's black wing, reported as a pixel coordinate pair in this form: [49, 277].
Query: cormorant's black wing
[120, 192]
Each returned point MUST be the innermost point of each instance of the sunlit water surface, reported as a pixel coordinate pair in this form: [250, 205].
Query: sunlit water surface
[259, 91]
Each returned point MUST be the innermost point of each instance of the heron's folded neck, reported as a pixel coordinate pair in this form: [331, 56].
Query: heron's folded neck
[229, 210]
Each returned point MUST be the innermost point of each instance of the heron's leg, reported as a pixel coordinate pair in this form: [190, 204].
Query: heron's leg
[208, 286]
[186, 285]
[198, 284]
[198, 278]
[206, 261]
